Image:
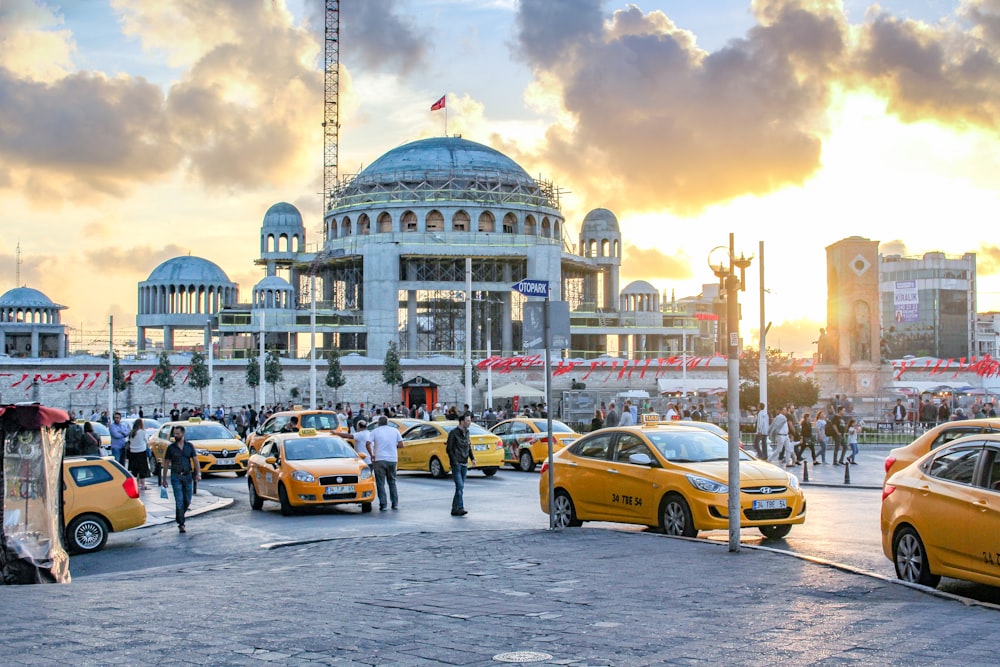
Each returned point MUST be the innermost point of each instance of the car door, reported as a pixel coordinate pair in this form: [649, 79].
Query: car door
[984, 519]
[944, 500]
[502, 431]
[266, 474]
[417, 444]
[587, 478]
[633, 484]
[521, 435]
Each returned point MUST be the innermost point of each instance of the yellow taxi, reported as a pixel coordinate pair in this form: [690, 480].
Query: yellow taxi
[670, 478]
[526, 441]
[403, 423]
[99, 497]
[218, 448]
[936, 437]
[324, 421]
[941, 515]
[309, 469]
[424, 448]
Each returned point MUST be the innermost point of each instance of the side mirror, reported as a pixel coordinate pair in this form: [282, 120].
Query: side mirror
[640, 459]
[271, 460]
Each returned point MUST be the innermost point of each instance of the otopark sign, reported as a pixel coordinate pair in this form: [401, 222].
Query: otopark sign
[532, 287]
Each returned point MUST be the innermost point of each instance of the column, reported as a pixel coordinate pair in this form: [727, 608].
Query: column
[140, 340]
[34, 343]
[412, 327]
[506, 323]
[168, 338]
[63, 348]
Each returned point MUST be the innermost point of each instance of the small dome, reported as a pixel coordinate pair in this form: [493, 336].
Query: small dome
[272, 282]
[189, 270]
[600, 220]
[283, 214]
[26, 297]
[639, 287]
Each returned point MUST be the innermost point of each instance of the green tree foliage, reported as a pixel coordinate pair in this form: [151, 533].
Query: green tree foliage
[118, 375]
[786, 385]
[164, 377]
[199, 377]
[253, 373]
[334, 373]
[392, 374]
[272, 373]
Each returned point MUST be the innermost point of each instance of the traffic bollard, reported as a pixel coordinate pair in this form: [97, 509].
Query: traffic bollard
[805, 471]
[847, 472]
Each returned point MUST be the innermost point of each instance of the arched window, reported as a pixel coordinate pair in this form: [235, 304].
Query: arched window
[460, 222]
[364, 225]
[557, 230]
[283, 243]
[487, 223]
[345, 227]
[408, 223]
[384, 222]
[605, 247]
[592, 248]
[510, 224]
[530, 226]
[546, 228]
[617, 248]
[271, 247]
[434, 221]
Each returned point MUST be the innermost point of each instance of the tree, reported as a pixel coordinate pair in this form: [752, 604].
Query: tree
[334, 374]
[253, 374]
[272, 373]
[199, 377]
[118, 381]
[785, 385]
[391, 372]
[164, 378]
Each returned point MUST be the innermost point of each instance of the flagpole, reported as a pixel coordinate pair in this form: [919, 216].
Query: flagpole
[446, 120]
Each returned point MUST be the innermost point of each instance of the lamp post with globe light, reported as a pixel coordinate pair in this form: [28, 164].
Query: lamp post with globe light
[724, 263]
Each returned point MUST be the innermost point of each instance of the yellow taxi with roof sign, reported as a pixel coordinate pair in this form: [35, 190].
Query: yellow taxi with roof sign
[424, 448]
[324, 421]
[526, 441]
[218, 449]
[309, 469]
[671, 478]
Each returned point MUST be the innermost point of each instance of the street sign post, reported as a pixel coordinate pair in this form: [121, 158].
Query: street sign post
[541, 288]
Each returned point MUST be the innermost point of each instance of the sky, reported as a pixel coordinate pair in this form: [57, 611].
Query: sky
[133, 131]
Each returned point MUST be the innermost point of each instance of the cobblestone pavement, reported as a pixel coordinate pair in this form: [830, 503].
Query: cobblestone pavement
[582, 596]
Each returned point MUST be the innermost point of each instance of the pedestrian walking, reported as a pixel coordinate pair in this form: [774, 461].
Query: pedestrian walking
[611, 418]
[778, 434]
[138, 453]
[836, 428]
[385, 444]
[806, 440]
[760, 433]
[182, 462]
[819, 429]
[362, 440]
[459, 450]
[853, 428]
[119, 438]
[627, 418]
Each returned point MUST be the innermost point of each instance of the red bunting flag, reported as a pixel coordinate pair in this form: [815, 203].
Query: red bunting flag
[439, 104]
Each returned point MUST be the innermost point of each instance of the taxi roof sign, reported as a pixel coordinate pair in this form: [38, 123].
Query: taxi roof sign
[307, 432]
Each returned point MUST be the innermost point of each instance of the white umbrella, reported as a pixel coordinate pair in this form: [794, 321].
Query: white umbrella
[517, 389]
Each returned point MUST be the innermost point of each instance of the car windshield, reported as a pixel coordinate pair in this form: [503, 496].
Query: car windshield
[322, 421]
[150, 423]
[557, 426]
[193, 432]
[691, 446]
[100, 429]
[474, 429]
[308, 449]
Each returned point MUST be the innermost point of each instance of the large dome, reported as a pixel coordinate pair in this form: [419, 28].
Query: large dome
[26, 297]
[189, 270]
[283, 214]
[439, 159]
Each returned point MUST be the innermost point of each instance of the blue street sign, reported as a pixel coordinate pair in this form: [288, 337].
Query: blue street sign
[532, 287]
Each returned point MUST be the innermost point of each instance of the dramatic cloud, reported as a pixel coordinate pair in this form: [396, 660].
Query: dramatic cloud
[949, 73]
[988, 260]
[380, 38]
[652, 264]
[31, 46]
[138, 259]
[894, 247]
[662, 124]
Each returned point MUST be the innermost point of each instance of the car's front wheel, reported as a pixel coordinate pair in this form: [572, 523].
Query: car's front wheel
[526, 462]
[910, 557]
[564, 511]
[490, 471]
[437, 470]
[675, 517]
[86, 534]
[256, 502]
[286, 506]
[775, 532]
[366, 507]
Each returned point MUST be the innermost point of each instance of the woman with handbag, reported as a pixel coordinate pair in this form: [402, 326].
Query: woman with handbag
[138, 460]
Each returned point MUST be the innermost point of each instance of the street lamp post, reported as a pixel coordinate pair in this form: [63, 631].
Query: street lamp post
[725, 270]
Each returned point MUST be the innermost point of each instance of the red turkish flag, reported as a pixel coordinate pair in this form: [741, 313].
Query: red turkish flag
[439, 104]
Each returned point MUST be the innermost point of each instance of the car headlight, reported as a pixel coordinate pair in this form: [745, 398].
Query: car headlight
[203, 452]
[706, 484]
[366, 473]
[243, 450]
[793, 481]
[303, 476]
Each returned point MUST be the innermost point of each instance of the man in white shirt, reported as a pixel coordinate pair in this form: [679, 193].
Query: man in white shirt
[362, 440]
[778, 433]
[385, 443]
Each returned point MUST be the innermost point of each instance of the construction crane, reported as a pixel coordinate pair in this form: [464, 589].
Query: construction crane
[331, 94]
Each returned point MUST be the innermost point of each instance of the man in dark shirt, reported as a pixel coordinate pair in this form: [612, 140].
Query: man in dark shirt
[182, 461]
[459, 449]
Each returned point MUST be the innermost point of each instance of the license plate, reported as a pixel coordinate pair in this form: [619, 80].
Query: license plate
[225, 462]
[330, 490]
[770, 504]
[480, 448]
